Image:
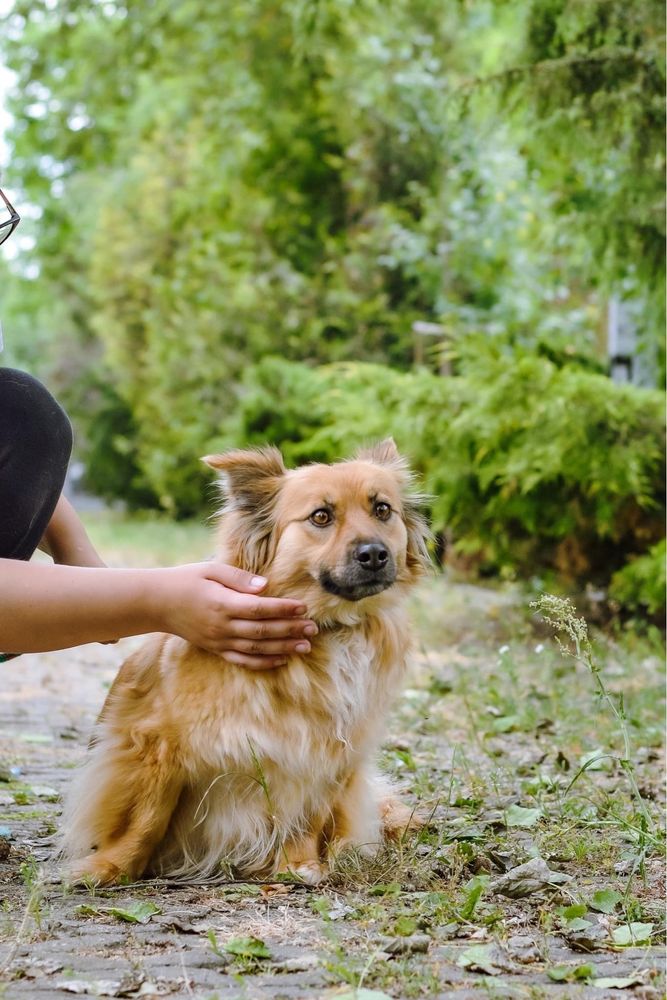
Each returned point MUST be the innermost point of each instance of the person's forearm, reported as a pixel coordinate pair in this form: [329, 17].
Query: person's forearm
[214, 606]
[46, 607]
[66, 540]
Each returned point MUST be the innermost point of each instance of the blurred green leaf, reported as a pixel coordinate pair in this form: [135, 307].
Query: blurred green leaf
[632, 934]
[136, 912]
[605, 900]
[518, 816]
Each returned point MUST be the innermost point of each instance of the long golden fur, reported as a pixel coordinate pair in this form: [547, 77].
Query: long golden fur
[195, 762]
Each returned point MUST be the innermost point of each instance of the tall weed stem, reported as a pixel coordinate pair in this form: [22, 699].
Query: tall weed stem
[560, 613]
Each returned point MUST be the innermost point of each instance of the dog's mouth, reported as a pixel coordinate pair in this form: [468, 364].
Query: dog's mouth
[355, 584]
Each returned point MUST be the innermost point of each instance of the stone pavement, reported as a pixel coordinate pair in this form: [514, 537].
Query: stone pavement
[54, 945]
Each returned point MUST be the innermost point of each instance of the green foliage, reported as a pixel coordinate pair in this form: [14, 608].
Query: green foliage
[640, 585]
[306, 180]
[311, 179]
[323, 414]
[587, 84]
[549, 464]
[528, 465]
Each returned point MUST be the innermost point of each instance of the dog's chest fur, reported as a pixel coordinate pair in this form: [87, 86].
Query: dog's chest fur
[266, 752]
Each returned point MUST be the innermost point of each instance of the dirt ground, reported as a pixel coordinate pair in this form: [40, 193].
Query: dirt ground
[429, 918]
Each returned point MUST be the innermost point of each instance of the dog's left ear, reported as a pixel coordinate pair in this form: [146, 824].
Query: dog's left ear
[250, 482]
[386, 453]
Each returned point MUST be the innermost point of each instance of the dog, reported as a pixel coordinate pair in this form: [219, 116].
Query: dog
[196, 763]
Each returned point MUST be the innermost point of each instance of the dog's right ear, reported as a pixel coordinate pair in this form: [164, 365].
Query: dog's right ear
[248, 476]
[250, 482]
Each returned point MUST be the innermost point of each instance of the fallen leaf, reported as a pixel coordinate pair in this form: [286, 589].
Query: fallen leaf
[571, 973]
[524, 880]
[462, 829]
[587, 939]
[415, 944]
[483, 958]
[575, 910]
[246, 947]
[617, 983]
[136, 912]
[606, 900]
[634, 933]
[579, 924]
[518, 816]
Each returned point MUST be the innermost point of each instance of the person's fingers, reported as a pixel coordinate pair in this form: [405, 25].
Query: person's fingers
[235, 578]
[267, 628]
[269, 647]
[254, 662]
[245, 606]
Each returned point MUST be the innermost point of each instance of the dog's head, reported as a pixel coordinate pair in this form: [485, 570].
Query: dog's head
[332, 535]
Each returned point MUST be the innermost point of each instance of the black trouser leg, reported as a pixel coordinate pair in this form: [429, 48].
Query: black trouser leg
[35, 448]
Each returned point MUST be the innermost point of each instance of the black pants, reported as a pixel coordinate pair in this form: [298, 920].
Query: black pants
[35, 448]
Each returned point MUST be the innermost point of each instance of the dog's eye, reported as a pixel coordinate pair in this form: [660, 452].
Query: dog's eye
[382, 510]
[321, 517]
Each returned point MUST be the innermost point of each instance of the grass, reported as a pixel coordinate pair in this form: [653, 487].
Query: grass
[515, 752]
[148, 539]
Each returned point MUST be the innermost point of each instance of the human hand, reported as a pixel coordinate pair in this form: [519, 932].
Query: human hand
[219, 608]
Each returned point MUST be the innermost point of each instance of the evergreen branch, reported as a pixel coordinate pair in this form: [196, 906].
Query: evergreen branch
[597, 57]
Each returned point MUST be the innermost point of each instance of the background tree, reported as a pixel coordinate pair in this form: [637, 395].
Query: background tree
[586, 90]
[306, 178]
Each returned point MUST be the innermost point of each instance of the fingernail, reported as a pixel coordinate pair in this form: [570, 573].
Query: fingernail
[310, 630]
[300, 609]
[280, 663]
[302, 647]
[258, 581]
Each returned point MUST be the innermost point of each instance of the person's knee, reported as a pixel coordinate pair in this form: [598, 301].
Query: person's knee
[35, 448]
[37, 419]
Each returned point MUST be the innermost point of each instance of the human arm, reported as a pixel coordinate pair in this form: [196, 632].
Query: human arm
[66, 539]
[217, 607]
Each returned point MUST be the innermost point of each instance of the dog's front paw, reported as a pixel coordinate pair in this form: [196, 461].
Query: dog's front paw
[310, 872]
[95, 870]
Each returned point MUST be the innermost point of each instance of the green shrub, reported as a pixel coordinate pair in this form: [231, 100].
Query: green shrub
[640, 586]
[529, 466]
[551, 466]
[323, 414]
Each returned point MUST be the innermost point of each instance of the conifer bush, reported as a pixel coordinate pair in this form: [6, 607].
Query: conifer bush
[529, 466]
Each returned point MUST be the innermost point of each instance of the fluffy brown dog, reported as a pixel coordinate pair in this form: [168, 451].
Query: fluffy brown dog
[195, 762]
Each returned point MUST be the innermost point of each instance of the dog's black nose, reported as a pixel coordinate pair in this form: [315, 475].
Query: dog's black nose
[372, 555]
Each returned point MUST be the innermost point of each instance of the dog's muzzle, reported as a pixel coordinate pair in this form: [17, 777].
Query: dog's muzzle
[370, 569]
